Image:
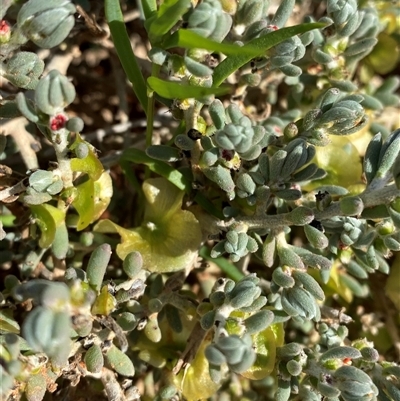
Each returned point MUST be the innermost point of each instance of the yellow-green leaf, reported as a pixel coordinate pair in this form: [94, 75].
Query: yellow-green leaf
[178, 90]
[392, 287]
[90, 164]
[7, 322]
[103, 191]
[84, 203]
[48, 218]
[163, 199]
[265, 343]
[104, 304]
[92, 199]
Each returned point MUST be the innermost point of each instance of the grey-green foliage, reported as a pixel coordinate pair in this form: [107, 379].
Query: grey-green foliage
[48, 23]
[380, 157]
[120, 362]
[354, 384]
[47, 327]
[326, 373]
[45, 23]
[53, 93]
[61, 316]
[237, 245]
[24, 70]
[238, 133]
[244, 296]
[259, 168]
[286, 53]
[386, 93]
[257, 24]
[197, 68]
[97, 266]
[94, 359]
[341, 117]
[41, 180]
[295, 291]
[47, 331]
[209, 20]
[232, 350]
[42, 185]
[250, 11]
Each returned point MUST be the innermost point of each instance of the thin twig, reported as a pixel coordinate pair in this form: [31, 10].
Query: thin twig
[195, 339]
[24, 141]
[11, 191]
[382, 196]
[111, 386]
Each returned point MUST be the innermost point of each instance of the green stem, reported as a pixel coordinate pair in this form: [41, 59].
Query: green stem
[229, 269]
[150, 115]
[150, 108]
[263, 43]
[123, 47]
[133, 180]
[148, 7]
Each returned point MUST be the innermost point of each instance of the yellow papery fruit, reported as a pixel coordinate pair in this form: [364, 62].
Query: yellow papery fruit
[265, 343]
[385, 55]
[194, 381]
[334, 284]
[169, 237]
[392, 288]
[342, 162]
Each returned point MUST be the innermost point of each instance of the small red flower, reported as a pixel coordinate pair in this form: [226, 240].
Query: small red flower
[5, 31]
[274, 27]
[4, 27]
[57, 122]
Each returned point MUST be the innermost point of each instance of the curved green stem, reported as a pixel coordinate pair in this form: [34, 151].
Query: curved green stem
[150, 107]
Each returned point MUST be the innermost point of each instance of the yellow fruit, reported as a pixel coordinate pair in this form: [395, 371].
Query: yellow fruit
[194, 381]
[264, 344]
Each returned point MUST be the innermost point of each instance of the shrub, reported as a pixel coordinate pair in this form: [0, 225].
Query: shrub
[265, 220]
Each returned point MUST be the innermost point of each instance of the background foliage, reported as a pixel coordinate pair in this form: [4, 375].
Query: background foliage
[199, 200]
